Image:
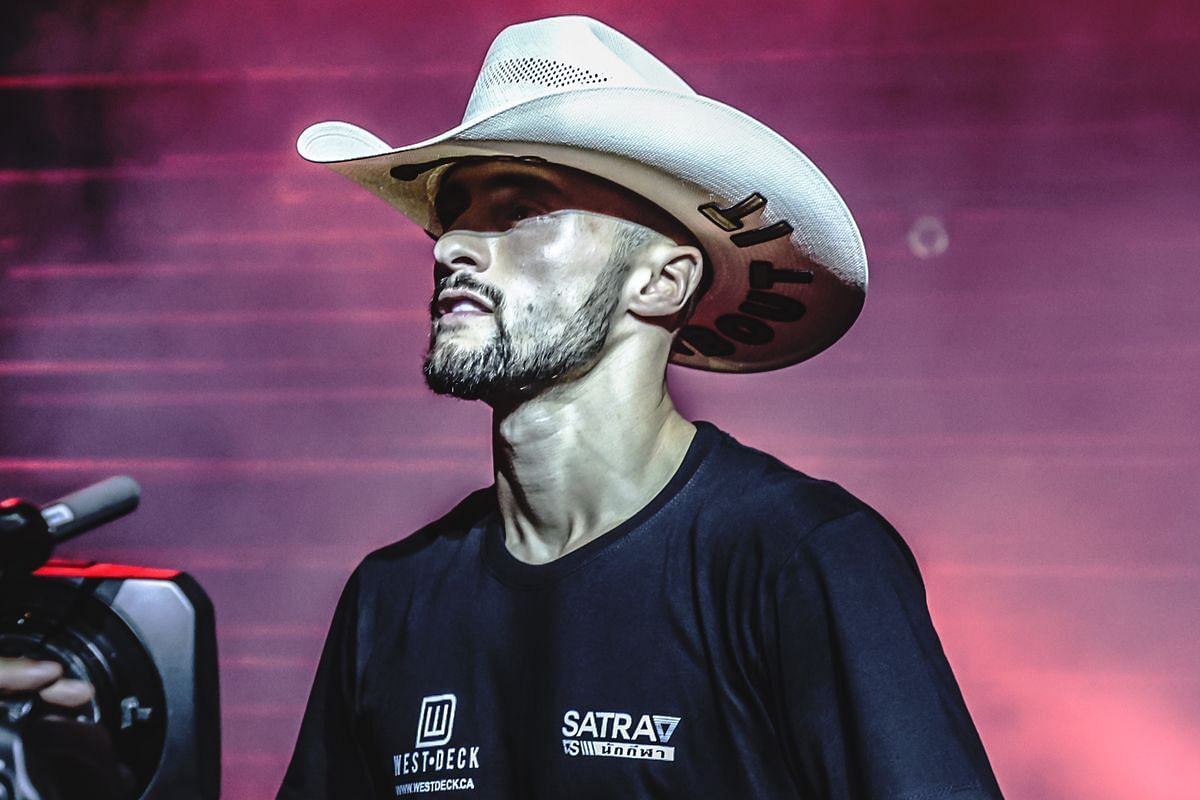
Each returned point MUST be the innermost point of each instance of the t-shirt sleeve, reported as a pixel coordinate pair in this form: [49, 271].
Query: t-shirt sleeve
[866, 703]
[328, 762]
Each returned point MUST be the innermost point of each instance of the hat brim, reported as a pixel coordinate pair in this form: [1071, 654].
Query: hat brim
[788, 278]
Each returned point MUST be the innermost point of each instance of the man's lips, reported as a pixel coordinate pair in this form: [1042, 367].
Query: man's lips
[461, 302]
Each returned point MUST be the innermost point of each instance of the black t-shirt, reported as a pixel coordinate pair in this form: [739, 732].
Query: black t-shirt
[751, 633]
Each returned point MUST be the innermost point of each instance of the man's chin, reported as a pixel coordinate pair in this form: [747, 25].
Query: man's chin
[459, 371]
[476, 384]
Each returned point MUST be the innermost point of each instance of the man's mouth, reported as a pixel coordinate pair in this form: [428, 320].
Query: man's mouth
[460, 304]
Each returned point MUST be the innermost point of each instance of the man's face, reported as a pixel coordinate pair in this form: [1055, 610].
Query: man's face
[527, 284]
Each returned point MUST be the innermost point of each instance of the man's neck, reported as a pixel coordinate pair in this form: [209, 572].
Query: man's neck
[576, 461]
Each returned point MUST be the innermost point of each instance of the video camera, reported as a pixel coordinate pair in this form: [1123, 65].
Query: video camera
[144, 638]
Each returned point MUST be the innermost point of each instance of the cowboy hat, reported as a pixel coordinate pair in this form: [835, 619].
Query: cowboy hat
[788, 269]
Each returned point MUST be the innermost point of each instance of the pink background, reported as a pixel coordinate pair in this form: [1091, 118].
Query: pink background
[186, 301]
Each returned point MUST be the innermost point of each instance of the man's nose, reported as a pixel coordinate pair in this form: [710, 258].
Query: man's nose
[459, 250]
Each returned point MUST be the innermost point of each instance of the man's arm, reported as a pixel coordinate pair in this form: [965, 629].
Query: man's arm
[865, 700]
[328, 762]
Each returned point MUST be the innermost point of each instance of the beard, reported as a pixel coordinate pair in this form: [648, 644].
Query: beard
[527, 353]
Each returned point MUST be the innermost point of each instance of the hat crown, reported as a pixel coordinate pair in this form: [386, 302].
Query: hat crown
[545, 56]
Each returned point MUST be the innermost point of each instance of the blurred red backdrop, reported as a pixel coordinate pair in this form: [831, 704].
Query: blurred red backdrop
[186, 301]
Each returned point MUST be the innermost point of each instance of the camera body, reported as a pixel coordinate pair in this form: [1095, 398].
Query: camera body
[146, 640]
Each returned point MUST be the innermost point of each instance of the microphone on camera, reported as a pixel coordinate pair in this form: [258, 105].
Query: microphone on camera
[29, 534]
[91, 507]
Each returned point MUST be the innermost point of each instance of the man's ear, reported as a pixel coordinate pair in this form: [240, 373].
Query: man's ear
[674, 276]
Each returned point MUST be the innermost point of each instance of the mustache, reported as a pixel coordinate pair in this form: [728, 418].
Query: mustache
[466, 280]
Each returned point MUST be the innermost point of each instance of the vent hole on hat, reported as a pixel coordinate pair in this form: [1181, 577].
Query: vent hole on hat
[542, 71]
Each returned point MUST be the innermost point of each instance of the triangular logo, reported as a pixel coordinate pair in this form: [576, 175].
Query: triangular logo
[664, 726]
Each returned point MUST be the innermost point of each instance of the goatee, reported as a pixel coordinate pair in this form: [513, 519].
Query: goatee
[519, 363]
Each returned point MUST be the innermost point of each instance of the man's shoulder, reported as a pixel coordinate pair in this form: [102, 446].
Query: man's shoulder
[753, 499]
[449, 532]
[758, 485]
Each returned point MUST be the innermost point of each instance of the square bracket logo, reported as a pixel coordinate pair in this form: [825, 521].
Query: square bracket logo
[435, 725]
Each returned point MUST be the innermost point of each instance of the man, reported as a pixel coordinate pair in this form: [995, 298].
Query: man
[640, 606]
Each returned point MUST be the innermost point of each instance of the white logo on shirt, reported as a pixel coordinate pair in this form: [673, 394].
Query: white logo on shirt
[615, 734]
[427, 768]
[435, 725]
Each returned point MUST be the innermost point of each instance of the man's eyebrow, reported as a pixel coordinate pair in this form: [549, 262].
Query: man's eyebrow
[509, 180]
[523, 180]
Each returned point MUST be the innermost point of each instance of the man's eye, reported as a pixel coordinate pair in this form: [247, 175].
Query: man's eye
[521, 212]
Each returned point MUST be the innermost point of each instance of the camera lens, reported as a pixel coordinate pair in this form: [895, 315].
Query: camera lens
[66, 621]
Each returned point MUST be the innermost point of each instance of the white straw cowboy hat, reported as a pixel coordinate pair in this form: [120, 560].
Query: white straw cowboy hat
[789, 273]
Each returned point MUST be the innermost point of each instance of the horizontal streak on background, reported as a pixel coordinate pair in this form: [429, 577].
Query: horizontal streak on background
[196, 468]
[235, 75]
[251, 758]
[342, 72]
[266, 630]
[1096, 676]
[205, 397]
[949, 47]
[128, 319]
[1005, 128]
[110, 367]
[399, 234]
[168, 366]
[271, 162]
[267, 662]
[969, 441]
[1106, 462]
[286, 711]
[132, 269]
[1001, 571]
